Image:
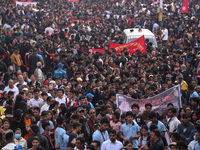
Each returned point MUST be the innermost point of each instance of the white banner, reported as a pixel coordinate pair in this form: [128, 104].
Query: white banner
[26, 3]
[159, 101]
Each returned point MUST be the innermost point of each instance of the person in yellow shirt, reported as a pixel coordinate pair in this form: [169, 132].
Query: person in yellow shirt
[16, 59]
[183, 84]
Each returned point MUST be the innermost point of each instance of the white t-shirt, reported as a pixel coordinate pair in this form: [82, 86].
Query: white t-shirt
[165, 33]
[34, 102]
[108, 145]
[61, 101]
[45, 107]
[24, 83]
[15, 90]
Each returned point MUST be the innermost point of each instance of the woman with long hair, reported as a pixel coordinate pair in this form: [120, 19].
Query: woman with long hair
[194, 117]
[180, 114]
[20, 104]
[6, 127]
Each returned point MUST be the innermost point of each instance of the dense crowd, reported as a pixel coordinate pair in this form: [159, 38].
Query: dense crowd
[56, 94]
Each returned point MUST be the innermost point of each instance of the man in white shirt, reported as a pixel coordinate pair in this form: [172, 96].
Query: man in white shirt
[61, 99]
[20, 81]
[10, 141]
[11, 87]
[45, 107]
[50, 30]
[35, 102]
[164, 36]
[172, 121]
[112, 143]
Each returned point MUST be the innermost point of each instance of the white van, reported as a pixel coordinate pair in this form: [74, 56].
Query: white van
[132, 34]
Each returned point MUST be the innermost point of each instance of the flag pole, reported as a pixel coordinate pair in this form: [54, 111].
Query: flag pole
[160, 11]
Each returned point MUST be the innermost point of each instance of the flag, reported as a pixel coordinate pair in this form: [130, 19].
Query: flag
[184, 7]
[124, 1]
[132, 47]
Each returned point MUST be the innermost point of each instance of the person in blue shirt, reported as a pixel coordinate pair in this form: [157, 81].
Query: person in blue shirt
[62, 135]
[90, 98]
[101, 134]
[197, 125]
[154, 120]
[60, 72]
[197, 143]
[143, 138]
[44, 119]
[130, 130]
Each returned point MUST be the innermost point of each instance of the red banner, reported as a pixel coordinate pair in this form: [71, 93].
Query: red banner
[69, 1]
[138, 44]
[96, 50]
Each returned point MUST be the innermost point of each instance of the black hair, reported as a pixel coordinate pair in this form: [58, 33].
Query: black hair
[97, 142]
[157, 132]
[169, 104]
[127, 142]
[60, 90]
[36, 108]
[76, 124]
[116, 114]
[148, 104]
[130, 113]
[135, 105]
[49, 98]
[68, 126]
[152, 114]
[60, 120]
[36, 90]
[182, 145]
[91, 147]
[75, 116]
[153, 127]
[111, 131]
[44, 124]
[176, 135]
[29, 112]
[104, 120]
[173, 110]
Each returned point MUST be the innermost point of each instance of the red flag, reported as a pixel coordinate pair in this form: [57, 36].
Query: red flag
[184, 7]
[138, 44]
[98, 9]
[96, 50]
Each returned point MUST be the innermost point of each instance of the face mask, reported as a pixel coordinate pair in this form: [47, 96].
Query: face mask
[17, 136]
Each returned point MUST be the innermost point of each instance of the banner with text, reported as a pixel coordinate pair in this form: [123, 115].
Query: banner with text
[159, 101]
[132, 47]
[26, 3]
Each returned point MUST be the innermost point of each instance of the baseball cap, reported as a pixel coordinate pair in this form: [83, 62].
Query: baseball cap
[180, 76]
[60, 64]
[80, 109]
[89, 95]
[25, 89]
[198, 122]
[18, 147]
[172, 144]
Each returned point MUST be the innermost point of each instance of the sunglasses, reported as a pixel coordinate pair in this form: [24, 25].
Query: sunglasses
[82, 111]
[92, 113]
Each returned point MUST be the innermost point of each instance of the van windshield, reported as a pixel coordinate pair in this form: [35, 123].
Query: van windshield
[153, 40]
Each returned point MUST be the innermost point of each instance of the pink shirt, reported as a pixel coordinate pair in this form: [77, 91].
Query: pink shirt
[115, 126]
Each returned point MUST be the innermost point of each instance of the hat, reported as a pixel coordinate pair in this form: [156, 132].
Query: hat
[198, 122]
[79, 79]
[89, 95]
[180, 76]
[80, 109]
[52, 82]
[18, 147]
[60, 64]
[44, 113]
[172, 144]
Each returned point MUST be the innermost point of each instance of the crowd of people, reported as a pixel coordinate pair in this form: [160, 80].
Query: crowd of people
[57, 95]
